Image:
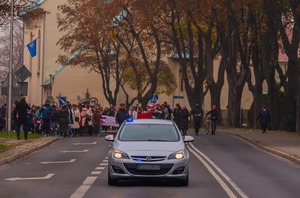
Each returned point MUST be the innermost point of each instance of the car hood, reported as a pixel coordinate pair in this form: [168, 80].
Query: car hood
[153, 147]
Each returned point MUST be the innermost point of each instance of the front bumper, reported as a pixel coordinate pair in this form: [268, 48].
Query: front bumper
[130, 169]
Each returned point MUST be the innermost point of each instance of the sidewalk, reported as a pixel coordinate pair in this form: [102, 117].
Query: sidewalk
[286, 145]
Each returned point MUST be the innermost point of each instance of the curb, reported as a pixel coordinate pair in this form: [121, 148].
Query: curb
[270, 150]
[26, 152]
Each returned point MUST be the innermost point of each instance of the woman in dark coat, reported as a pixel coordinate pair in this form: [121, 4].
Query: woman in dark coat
[184, 116]
[264, 118]
[63, 120]
[177, 115]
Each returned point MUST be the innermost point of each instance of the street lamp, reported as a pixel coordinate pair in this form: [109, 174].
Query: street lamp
[9, 106]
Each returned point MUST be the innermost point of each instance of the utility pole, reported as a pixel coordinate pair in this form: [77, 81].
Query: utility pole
[9, 106]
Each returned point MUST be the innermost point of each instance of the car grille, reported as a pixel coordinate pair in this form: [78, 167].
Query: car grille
[163, 169]
[148, 158]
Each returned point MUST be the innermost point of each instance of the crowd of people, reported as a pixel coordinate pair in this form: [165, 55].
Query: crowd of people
[72, 120]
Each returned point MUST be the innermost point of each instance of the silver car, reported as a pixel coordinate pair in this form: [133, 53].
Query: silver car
[148, 148]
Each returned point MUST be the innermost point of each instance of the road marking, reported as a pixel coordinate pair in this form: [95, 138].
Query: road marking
[59, 162]
[30, 178]
[85, 186]
[84, 151]
[100, 168]
[96, 172]
[103, 164]
[200, 156]
[105, 161]
[85, 143]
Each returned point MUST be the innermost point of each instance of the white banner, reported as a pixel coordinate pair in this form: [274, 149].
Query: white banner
[108, 121]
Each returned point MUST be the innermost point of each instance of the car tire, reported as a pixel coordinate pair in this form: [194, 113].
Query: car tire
[111, 181]
[185, 182]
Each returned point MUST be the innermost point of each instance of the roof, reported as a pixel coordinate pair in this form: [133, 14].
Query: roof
[150, 121]
[32, 6]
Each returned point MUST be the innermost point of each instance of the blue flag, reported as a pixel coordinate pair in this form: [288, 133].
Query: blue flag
[32, 48]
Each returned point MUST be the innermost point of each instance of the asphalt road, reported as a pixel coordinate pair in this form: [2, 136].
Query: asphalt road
[220, 166]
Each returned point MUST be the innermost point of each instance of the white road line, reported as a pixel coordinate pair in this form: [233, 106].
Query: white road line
[96, 172]
[59, 162]
[85, 143]
[30, 178]
[104, 164]
[84, 151]
[105, 161]
[85, 186]
[100, 168]
[200, 156]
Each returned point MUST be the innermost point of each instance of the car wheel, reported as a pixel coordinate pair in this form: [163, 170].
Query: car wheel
[185, 182]
[111, 181]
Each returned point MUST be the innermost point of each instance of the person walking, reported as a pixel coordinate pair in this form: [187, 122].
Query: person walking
[177, 115]
[184, 116]
[75, 125]
[45, 113]
[213, 118]
[96, 122]
[264, 118]
[63, 120]
[21, 116]
[159, 112]
[122, 114]
[197, 114]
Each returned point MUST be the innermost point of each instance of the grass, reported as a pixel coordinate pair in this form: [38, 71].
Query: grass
[4, 147]
[13, 135]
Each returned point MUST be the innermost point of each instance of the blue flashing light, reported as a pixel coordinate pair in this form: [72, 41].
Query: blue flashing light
[129, 120]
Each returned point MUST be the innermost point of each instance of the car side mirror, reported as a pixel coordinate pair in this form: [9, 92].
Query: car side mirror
[188, 138]
[109, 138]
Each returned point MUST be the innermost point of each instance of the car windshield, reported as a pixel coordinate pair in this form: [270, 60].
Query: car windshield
[149, 132]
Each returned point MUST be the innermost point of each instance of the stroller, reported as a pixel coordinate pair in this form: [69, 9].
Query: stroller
[207, 124]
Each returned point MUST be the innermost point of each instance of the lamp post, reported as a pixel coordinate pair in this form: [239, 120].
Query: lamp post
[9, 106]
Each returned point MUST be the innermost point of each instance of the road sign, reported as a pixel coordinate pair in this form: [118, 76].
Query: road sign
[93, 101]
[178, 97]
[62, 100]
[153, 98]
[23, 73]
[50, 99]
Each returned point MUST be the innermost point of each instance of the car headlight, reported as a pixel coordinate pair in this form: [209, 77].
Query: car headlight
[119, 154]
[177, 155]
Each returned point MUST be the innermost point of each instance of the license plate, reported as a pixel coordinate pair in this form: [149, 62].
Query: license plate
[148, 167]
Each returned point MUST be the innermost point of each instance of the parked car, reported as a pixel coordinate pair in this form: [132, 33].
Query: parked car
[148, 148]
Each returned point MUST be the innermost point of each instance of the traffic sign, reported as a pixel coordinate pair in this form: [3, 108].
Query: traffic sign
[178, 97]
[23, 73]
[153, 98]
[62, 100]
[93, 101]
[50, 99]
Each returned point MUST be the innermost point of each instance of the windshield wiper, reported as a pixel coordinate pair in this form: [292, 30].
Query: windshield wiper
[155, 140]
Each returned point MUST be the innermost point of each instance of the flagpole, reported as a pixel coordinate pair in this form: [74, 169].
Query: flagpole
[9, 106]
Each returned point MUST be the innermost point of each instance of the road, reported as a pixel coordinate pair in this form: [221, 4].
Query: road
[220, 166]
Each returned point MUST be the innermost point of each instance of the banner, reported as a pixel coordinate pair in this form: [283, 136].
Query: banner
[32, 48]
[108, 121]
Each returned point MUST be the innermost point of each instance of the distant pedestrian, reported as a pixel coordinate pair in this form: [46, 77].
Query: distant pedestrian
[63, 120]
[213, 116]
[264, 118]
[159, 112]
[45, 113]
[197, 114]
[21, 115]
[96, 122]
[122, 114]
[177, 115]
[185, 114]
